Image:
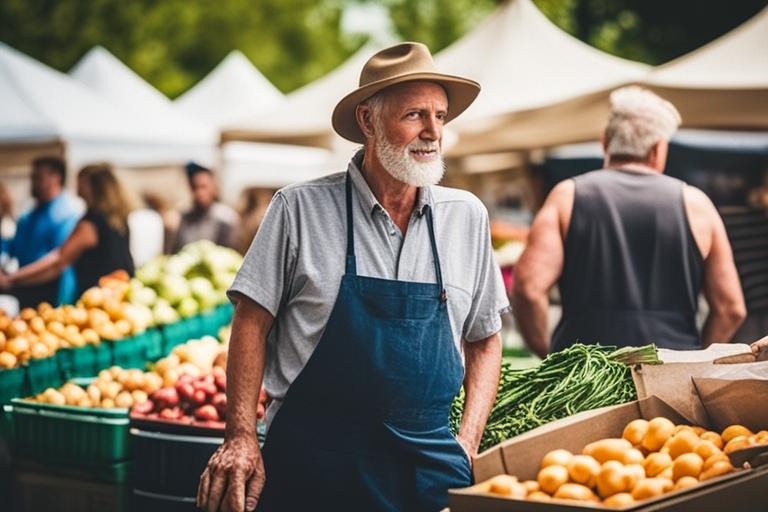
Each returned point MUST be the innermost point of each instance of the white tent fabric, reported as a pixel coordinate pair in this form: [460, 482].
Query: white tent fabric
[541, 86]
[253, 164]
[523, 61]
[723, 84]
[42, 105]
[305, 115]
[737, 60]
[233, 90]
[106, 75]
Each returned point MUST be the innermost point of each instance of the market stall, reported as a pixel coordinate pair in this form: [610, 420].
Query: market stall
[154, 345]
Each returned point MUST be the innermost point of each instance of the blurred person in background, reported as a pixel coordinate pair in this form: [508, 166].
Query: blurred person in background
[747, 228]
[208, 219]
[7, 225]
[170, 216]
[629, 247]
[254, 202]
[42, 230]
[150, 224]
[99, 243]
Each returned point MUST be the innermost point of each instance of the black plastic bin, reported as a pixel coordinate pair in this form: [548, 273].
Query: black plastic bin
[170, 464]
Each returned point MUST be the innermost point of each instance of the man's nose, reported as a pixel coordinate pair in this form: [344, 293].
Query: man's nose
[433, 128]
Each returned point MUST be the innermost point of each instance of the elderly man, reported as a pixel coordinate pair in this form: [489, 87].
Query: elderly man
[631, 247]
[367, 297]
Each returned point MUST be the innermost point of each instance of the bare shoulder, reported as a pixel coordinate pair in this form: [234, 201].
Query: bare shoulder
[697, 202]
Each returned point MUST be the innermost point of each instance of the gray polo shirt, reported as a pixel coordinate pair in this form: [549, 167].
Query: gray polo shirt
[295, 264]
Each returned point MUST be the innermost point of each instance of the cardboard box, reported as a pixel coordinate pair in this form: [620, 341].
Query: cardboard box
[672, 381]
[521, 456]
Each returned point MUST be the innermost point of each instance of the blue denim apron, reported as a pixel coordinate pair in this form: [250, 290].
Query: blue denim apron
[365, 424]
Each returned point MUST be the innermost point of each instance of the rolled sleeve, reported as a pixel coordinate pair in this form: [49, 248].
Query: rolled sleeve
[268, 265]
[489, 300]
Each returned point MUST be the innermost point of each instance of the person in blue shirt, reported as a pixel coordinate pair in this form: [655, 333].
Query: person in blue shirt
[44, 228]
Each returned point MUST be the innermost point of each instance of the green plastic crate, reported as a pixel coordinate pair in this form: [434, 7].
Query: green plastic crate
[43, 374]
[12, 384]
[77, 362]
[180, 332]
[154, 344]
[224, 313]
[209, 323]
[72, 436]
[130, 352]
[103, 356]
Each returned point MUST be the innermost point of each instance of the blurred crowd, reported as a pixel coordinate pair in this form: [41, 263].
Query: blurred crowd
[56, 249]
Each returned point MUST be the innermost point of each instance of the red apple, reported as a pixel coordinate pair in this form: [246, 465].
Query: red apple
[207, 413]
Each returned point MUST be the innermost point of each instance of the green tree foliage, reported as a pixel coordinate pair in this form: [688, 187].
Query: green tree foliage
[174, 43]
[652, 31]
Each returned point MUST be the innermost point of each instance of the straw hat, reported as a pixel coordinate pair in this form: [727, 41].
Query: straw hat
[405, 62]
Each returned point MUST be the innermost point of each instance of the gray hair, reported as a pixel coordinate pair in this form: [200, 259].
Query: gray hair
[638, 120]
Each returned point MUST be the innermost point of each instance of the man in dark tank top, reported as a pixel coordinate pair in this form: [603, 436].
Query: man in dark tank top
[629, 247]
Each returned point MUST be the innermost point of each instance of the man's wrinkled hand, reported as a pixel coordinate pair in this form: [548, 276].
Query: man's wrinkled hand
[760, 348]
[469, 451]
[234, 478]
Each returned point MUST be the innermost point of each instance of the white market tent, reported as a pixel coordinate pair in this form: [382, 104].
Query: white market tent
[234, 90]
[44, 108]
[305, 115]
[531, 72]
[523, 61]
[723, 84]
[107, 76]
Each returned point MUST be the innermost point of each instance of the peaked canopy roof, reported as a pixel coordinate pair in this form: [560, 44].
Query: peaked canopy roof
[105, 74]
[233, 90]
[305, 115]
[736, 60]
[723, 84]
[42, 105]
[717, 86]
[524, 61]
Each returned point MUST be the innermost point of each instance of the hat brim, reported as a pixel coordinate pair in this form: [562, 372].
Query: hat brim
[461, 93]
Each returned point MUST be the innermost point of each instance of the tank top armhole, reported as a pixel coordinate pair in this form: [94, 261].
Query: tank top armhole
[567, 236]
[688, 229]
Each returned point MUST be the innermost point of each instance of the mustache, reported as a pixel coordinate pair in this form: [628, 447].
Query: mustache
[423, 146]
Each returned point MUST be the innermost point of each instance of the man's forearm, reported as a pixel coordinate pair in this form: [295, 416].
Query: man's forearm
[719, 328]
[481, 381]
[531, 320]
[245, 367]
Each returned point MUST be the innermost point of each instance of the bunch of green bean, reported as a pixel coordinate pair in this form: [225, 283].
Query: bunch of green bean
[580, 378]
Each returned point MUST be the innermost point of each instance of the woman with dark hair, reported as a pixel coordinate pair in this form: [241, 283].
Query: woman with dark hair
[99, 243]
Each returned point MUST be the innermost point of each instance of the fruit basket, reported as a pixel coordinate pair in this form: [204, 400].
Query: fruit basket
[69, 435]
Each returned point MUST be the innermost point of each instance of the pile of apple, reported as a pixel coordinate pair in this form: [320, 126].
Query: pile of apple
[101, 313]
[183, 284]
[202, 398]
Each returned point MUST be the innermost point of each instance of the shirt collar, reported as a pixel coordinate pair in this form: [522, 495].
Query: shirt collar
[371, 204]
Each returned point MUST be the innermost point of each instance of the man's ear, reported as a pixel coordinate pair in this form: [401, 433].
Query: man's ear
[363, 114]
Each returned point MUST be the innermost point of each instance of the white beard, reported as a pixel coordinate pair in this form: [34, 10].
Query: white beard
[401, 165]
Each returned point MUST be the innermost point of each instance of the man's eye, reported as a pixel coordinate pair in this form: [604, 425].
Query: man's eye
[412, 115]
[442, 116]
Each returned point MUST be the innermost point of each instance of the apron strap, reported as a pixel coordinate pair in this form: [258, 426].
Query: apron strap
[351, 265]
[435, 255]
